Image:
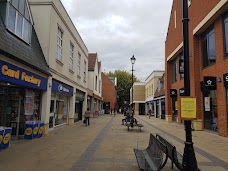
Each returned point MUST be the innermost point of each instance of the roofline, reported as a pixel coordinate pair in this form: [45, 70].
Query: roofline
[154, 72]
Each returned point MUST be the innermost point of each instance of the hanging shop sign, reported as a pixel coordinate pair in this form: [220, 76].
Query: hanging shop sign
[173, 93]
[62, 88]
[209, 83]
[13, 74]
[225, 78]
[182, 92]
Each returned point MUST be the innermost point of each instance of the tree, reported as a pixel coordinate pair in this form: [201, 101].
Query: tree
[124, 83]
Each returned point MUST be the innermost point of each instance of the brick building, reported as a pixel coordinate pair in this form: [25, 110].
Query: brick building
[109, 93]
[208, 43]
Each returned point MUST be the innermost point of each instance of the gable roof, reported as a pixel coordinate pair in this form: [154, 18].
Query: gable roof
[92, 61]
[31, 55]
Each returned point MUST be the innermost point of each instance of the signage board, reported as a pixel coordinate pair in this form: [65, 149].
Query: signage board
[188, 108]
[225, 78]
[173, 92]
[182, 92]
[209, 83]
[13, 74]
[62, 88]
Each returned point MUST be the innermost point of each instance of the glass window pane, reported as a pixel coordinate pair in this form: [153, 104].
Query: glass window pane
[22, 6]
[205, 55]
[11, 19]
[26, 13]
[19, 25]
[26, 31]
[226, 35]
[15, 3]
[211, 48]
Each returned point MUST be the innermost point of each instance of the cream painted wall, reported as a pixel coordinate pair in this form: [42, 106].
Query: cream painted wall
[151, 83]
[48, 16]
[91, 80]
[43, 30]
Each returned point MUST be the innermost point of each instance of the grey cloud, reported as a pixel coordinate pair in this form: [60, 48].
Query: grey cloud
[117, 30]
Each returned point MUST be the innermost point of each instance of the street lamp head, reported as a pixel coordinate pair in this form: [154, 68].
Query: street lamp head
[133, 59]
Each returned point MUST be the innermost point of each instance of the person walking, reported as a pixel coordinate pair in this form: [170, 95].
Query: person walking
[114, 111]
[150, 113]
[111, 111]
[87, 116]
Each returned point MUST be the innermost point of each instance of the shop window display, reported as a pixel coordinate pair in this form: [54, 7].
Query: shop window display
[17, 106]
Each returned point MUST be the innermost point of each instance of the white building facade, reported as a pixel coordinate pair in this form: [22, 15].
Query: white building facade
[94, 99]
[150, 88]
[67, 56]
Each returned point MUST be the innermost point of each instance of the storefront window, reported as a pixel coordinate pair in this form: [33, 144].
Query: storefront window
[210, 110]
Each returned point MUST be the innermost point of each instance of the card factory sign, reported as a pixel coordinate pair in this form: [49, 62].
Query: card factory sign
[13, 74]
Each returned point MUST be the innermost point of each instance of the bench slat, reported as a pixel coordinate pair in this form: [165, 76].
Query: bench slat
[153, 157]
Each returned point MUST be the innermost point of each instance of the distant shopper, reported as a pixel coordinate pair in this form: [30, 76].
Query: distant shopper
[87, 116]
[150, 113]
[114, 111]
[111, 112]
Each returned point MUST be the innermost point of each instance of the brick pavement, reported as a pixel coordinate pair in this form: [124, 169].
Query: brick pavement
[107, 145]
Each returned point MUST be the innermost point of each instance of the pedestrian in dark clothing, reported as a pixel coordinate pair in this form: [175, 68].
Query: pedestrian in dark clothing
[87, 116]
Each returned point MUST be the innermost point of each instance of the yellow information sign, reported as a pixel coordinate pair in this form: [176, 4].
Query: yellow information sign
[188, 108]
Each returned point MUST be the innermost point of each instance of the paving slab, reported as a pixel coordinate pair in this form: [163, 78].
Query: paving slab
[107, 145]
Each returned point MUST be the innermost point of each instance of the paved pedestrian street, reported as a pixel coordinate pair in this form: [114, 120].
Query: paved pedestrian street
[106, 145]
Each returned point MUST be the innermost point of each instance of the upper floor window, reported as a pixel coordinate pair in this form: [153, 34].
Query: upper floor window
[59, 44]
[226, 34]
[208, 47]
[79, 63]
[181, 66]
[18, 20]
[99, 86]
[174, 70]
[96, 83]
[71, 56]
[85, 70]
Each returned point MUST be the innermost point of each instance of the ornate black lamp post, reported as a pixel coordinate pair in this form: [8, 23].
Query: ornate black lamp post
[189, 160]
[133, 59]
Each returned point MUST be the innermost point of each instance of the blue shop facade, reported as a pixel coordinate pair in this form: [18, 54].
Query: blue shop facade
[20, 97]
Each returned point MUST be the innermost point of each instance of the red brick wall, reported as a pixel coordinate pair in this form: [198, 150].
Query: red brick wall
[197, 11]
[108, 91]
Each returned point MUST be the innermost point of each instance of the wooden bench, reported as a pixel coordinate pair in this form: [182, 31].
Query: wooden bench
[153, 157]
[173, 154]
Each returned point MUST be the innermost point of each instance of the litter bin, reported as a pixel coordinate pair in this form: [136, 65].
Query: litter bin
[31, 130]
[6, 137]
[41, 129]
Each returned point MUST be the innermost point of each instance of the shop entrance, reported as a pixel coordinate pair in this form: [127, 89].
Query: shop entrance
[11, 111]
[210, 110]
[175, 109]
[58, 110]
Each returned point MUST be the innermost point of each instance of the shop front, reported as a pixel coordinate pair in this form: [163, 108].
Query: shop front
[208, 87]
[80, 97]
[173, 95]
[20, 97]
[162, 108]
[60, 103]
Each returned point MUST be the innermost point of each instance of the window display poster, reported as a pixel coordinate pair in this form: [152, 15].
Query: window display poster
[29, 102]
[207, 104]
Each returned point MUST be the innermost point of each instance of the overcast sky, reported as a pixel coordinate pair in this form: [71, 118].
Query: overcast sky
[117, 29]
